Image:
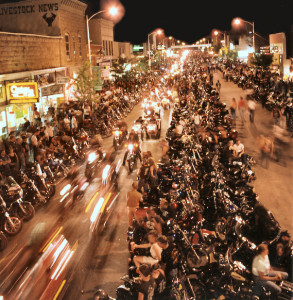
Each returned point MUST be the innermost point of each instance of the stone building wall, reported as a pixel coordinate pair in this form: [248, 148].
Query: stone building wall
[27, 52]
[72, 22]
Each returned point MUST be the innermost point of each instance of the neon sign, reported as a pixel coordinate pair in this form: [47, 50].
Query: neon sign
[22, 91]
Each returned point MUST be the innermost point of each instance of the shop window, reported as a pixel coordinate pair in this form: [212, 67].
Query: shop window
[67, 45]
[79, 45]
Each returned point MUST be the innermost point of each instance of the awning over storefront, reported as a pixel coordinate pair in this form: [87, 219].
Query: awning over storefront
[20, 75]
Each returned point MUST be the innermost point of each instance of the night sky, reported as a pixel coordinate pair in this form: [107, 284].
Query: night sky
[190, 20]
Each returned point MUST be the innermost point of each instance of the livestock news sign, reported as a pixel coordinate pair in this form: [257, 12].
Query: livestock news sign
[22, 92]
[38, 17]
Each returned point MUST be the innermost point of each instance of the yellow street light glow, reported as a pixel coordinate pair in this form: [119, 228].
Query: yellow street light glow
[183, 44]
[113, 11]
[159, 31]
[216, 32]
[203, 39]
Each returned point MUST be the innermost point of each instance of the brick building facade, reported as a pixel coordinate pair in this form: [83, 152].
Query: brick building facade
[24, 52]
[44, 41]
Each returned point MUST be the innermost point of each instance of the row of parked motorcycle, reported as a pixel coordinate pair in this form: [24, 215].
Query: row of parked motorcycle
[213, 216]
[33, 187]
[270, 96]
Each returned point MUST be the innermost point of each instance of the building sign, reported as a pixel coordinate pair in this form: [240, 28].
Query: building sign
[62, 80]
[30, 17]
[22, 92]
[55, 89]
[97, 73]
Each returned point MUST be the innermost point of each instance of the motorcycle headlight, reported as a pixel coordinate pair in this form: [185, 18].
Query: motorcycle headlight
[65, 189]
[117, 133]
[151, 127]
[105, 172]
[130, 147]
[92, 157]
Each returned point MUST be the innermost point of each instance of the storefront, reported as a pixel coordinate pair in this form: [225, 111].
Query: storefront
[21, 97]
[51, 96]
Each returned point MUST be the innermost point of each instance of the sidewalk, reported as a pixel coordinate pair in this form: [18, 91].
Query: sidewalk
[275, 184]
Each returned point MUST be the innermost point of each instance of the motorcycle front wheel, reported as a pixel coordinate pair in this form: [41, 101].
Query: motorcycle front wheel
[201, 260]
[131, 163]
[12, 226]
[27, 211]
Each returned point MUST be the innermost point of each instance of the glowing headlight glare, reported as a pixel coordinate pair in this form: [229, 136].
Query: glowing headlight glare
[105, 172]
[92, 157]
[65, 189]
[97, 210]
[130, 147]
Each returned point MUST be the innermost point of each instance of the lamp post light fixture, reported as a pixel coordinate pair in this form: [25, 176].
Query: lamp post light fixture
[113, 11]
[238, 21]
[159, 31]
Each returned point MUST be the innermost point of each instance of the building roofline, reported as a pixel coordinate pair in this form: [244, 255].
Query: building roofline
[31, 34]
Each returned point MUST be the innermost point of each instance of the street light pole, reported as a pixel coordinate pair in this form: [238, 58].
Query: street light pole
[88, 36]
[149, 49]
[156, 32]
[113, 11]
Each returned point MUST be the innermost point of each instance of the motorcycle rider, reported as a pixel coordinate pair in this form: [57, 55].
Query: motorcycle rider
[133, 139]
[122, 126]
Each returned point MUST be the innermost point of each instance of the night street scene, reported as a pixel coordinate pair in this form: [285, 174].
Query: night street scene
[146, 150]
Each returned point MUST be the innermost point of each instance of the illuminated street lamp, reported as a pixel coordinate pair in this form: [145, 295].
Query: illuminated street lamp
[238, 21]
[217, 32]
[159, 31]
[113, 11]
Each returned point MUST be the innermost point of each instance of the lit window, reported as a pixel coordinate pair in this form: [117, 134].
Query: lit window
[73, 46]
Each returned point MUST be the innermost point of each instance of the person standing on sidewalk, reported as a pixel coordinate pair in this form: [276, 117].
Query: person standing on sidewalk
[251, 108]
[233, 108]
[218, 86]
[133, 199]
[242, 108]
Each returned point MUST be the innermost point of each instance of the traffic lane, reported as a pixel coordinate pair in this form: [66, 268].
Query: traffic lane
[77, 227]
[110, 259]
[273, 185]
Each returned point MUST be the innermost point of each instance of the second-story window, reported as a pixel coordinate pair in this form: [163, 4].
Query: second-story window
[79, 45]
[73, 46]
[67, 45]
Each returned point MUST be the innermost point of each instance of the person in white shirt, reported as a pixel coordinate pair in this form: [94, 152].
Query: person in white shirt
[263, 273]
[196, 120]
[49, 129]
[74, 125]
[251, 108]
[239, 149]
